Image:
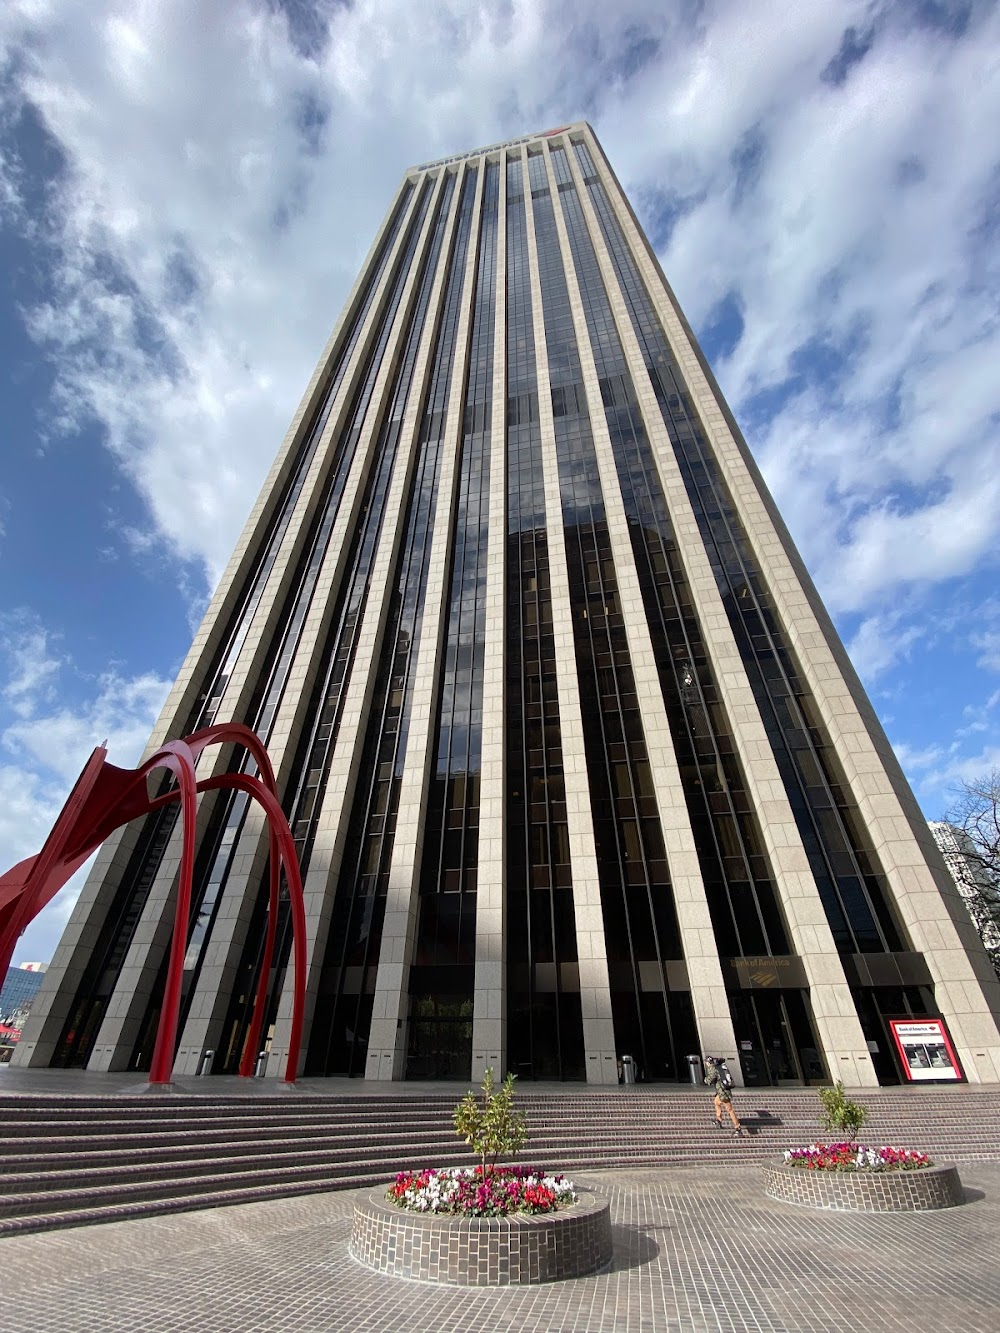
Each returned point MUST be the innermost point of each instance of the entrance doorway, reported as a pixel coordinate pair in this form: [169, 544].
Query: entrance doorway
[440, 1037]
[776, 1042]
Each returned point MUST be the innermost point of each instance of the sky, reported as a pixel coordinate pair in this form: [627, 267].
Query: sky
[187, 192]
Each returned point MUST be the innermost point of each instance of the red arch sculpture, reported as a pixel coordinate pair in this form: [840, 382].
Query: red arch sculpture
[105, 797]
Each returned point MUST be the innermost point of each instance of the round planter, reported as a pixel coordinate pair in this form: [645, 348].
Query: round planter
[483, 1251]
[868, 1192]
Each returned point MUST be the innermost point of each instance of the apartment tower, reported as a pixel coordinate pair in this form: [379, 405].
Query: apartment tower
[575, 762]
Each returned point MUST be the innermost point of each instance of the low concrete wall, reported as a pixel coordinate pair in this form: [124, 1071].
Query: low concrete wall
[483, 1251]
[917, 1191]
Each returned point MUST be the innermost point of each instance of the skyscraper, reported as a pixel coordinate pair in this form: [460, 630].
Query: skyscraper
[576, 764]
[979, 888]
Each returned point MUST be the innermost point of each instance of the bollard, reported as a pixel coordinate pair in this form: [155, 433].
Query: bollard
[206, 1063]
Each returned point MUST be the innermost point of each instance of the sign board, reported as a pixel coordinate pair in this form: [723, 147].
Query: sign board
[925, 1050]
[784, 972]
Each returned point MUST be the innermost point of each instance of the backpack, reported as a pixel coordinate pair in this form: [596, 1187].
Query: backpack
[721, 1070]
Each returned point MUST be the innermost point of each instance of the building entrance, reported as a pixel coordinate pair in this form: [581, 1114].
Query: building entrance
[775, 1041]
[439, 1042]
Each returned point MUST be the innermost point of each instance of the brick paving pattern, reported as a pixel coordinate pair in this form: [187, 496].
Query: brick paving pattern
[695, 1248]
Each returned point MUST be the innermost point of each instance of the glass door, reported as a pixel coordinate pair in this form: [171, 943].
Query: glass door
[767, 1053]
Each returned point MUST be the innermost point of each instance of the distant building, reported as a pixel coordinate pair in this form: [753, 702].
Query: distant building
[979, 888]
[574, 760]
[19, 989]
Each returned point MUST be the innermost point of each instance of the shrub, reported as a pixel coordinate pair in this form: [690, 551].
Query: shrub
[492, 1128]
[840, 1113]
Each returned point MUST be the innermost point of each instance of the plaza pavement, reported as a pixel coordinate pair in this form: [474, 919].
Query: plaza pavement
[695, 1249]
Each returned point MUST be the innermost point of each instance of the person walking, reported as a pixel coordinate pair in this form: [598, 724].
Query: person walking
[720, 1080]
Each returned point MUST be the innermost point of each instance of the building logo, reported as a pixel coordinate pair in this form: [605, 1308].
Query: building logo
[783, 972]
[763, 978]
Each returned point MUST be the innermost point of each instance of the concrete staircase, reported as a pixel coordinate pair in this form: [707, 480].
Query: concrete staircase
[67, 1159]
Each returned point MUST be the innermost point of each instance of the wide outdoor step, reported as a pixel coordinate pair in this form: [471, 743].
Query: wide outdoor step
[69, 1208]
[262, 1138]
[172, 1132]
[131, 1188]
[250, 1156]
[126, 1117]
[67, 1160]
[59, 1155]
[177, 1128]
[133, 1183]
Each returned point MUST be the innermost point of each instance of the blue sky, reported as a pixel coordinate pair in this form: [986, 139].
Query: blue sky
[187, 190]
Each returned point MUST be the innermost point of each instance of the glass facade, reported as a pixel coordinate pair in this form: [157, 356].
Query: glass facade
[230, 814]
[850, 883]
[544, 1016]
[442, 977]
[511, 327]
[347, 981]
[106, 960]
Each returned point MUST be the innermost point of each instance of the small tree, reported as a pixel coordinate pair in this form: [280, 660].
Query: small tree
[840, 1113]
[492, 1128]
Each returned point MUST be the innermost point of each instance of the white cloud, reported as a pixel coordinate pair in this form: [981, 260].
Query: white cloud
[857, 249]
[31, 666]
[988, 644]
[223, 181]
[979, 717]
[220, 192]
[879, 643]
[204, 243]
[942, 778]
[47, 742]
[917, 760]
[121, 711]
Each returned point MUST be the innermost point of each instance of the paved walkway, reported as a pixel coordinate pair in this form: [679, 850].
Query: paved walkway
[695, 1249]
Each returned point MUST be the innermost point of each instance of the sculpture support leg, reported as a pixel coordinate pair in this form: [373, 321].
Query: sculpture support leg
[166, 1036]
[260, 1003]
[297, 902]
[282, 853]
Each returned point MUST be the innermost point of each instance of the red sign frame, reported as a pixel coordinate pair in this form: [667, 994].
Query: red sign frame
[926, 1053]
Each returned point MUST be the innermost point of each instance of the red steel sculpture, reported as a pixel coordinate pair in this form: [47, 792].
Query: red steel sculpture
[105, 797]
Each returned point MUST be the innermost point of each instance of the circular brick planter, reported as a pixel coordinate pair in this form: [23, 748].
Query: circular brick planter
[875, 1192]
[483, 1251]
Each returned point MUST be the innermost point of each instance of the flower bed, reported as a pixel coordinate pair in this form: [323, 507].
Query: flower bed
[854, 1157]
[512, 1249]
[471, 1192]
[831, 1177]
[488, 1225]
[847, 1175]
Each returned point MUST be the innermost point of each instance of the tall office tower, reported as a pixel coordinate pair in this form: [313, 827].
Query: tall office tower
[979, 887]
[576, 765]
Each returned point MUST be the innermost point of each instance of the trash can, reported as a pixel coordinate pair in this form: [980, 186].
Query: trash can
[694, 1068]
[628, 1069]
[206, 1063]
